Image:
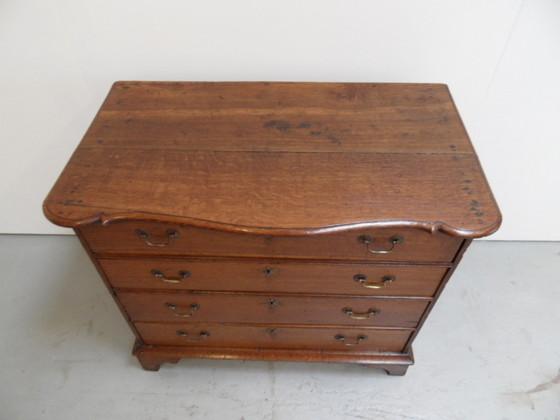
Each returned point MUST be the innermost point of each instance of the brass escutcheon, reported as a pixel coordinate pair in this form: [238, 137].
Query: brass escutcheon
[272, 303]
[268, 271]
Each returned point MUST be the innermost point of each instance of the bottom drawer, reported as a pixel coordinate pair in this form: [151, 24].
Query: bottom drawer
[249, 336]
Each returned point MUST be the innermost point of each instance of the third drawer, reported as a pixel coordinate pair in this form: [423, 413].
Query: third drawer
[275, 309]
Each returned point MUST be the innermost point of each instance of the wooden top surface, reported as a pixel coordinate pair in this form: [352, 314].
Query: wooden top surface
[277, 158]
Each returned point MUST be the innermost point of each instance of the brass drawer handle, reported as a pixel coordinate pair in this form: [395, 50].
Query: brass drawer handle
[194, 307]
[171, 235]
[201, 336]
[182, 276]
[367, 240]
[385, 280]
[342, 339]
[360, 315]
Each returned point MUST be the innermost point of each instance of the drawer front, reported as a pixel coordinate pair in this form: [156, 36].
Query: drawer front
[271, 309]
[272, 277]
[251, 336]
[376, 244]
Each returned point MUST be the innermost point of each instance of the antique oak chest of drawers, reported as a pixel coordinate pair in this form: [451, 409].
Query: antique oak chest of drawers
[310, 222]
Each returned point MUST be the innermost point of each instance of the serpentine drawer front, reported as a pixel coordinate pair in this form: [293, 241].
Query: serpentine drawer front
[363, 245]
[313, 222]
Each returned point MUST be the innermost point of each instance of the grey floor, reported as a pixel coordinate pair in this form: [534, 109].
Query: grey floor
[490, 350]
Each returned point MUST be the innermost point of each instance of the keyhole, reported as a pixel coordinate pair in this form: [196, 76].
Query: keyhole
[269, 271]
[272, 303]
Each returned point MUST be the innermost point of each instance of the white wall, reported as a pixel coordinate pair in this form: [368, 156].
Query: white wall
[500, 58]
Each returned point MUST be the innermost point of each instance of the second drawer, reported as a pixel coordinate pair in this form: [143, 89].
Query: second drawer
[239, 308]
[269, 276]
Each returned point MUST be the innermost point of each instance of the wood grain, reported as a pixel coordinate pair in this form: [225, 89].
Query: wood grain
[151, 357]
[276, 276]
[418, 246]
[273, 309]
[279, 130]
[380, 154]
[301, 191]
[272, 336]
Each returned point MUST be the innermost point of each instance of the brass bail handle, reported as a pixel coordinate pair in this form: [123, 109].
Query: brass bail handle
[182, 276]
[367, 240]
[201, 336]
[193, 308]
[360, 315]
[385, 281]
[342, 339]
[170, 235]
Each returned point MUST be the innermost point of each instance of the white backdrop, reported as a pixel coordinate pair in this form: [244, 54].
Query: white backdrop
[500, 58]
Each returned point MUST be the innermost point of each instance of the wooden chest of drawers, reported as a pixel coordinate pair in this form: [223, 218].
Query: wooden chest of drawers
[275, 221]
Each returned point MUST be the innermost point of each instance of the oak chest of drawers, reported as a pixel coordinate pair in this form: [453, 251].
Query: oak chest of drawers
[275, 221]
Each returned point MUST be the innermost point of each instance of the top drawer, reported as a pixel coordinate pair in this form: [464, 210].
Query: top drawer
[370, 244]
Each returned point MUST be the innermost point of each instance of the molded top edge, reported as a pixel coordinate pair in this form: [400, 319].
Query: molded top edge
[106, 219]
